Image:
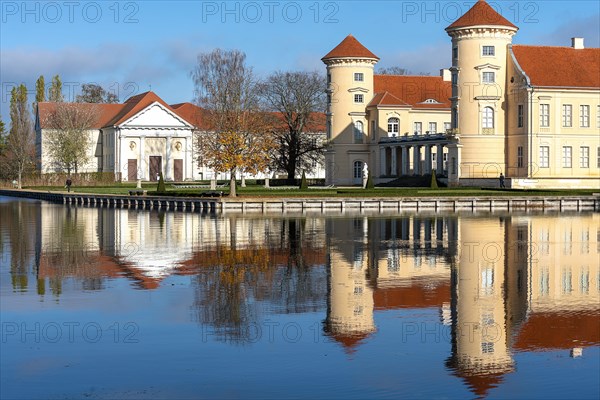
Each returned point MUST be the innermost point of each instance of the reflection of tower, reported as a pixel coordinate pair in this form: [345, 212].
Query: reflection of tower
[480, 351]
[350, 298]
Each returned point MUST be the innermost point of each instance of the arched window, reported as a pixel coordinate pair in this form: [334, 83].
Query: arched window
[393, 126]
[358, 131]
[358, 169]
[487, 118]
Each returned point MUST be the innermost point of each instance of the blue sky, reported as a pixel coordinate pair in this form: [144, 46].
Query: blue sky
[132, 46]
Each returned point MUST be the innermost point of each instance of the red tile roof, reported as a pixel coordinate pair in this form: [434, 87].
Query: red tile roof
[481, 14]
[559, 66]
[350, 48]
[116, 114]
[411, 90]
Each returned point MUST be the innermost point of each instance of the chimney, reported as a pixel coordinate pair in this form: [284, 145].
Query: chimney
[577, 43]
[446, 75]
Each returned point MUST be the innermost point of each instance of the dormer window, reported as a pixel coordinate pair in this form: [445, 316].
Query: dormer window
[488, 51]
[431, 101]
[359, 77]
[393, 124]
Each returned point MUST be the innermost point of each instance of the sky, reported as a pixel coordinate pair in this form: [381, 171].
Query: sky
[130, 47]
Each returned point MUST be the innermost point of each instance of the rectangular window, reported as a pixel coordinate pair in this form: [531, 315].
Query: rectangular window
[567, 153]
[544, 157]
[373, 129]
[447, 126]
[328, 78]
[584, 116]
[544, 115]
[359, 77]
[567, 115]
[488, 51]
[358, 98]
[455, 78]
[455, 53]
[520, 157]
[432, 128]
[520, 115]
[418, 128]
[584, 157]
[489, 77]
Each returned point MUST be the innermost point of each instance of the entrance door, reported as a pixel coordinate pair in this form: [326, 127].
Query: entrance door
[357, 172]
[178, 170]
[132, 169]
[155, 167]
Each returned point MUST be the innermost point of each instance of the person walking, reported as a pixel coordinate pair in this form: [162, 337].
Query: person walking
[68, 184]
[501, 180]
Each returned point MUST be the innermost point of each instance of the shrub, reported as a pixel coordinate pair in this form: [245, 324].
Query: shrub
[303, 183]
[161, 184]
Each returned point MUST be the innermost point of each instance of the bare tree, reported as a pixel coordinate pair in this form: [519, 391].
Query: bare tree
[92, 93]
[299, 98]
[396, 70]
[237, 135]
[20, 148]
[68, 138]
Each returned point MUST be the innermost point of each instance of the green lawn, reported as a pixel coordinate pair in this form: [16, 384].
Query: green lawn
[260, 191]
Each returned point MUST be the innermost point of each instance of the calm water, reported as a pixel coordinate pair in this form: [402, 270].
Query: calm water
[102, 303]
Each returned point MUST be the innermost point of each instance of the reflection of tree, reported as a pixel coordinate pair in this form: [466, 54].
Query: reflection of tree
[69, 255]
[225, 295]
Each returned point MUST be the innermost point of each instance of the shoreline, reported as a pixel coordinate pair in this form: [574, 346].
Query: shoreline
[321, 205]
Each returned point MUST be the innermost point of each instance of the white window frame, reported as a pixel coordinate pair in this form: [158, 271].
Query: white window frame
[357, 169]
[584, 157]
[544, 156]
[359, 77]
[567, 157]
[544, 115]
[432, 128]
[567, 115]
[487, 118]
[393, 125]
[447, 126]
[488, 51]
[418, 128]
[359, 98]
[584, 116]
[359, 129]
[486, 75]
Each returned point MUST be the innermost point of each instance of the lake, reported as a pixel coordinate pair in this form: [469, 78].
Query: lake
[118, 303]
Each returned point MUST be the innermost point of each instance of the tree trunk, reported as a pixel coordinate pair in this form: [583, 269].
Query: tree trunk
[20, 178]
[232, 188]
[291, 173]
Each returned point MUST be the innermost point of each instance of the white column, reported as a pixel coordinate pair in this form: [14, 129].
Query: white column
[416, 160]
[168, 175]
[454, 164]
[440, 159]
[427, 159]
[383, 162]
[142, 161]
[405, 160]
[394, 166]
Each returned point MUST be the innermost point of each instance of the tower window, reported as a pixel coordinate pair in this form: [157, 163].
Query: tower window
[489, 77]
[455, 53]
[487, 118]
[520, 115]
[358, 132]
[488, 51]
[358, 98]
[359, 77]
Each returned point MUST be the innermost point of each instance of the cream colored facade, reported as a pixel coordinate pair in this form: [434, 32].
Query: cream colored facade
[502, 117]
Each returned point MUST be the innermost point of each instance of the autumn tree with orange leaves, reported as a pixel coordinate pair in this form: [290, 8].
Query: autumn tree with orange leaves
[238, 137]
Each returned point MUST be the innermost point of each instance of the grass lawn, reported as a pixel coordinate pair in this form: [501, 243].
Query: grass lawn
[260, 191]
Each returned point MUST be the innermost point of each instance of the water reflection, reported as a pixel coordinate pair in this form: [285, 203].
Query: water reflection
[502, 284]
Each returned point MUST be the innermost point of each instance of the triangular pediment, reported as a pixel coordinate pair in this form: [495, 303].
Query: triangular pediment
[156, 115]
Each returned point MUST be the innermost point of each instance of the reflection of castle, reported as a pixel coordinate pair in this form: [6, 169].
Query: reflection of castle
[515, 283]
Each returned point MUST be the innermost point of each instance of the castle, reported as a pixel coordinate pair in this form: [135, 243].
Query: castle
[531, 113]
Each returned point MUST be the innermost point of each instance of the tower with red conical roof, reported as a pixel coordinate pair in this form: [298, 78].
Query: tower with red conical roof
[349, 89]
[480, 40]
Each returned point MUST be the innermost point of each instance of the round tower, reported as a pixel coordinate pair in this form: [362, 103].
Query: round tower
[480, 40]
[349, 91]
